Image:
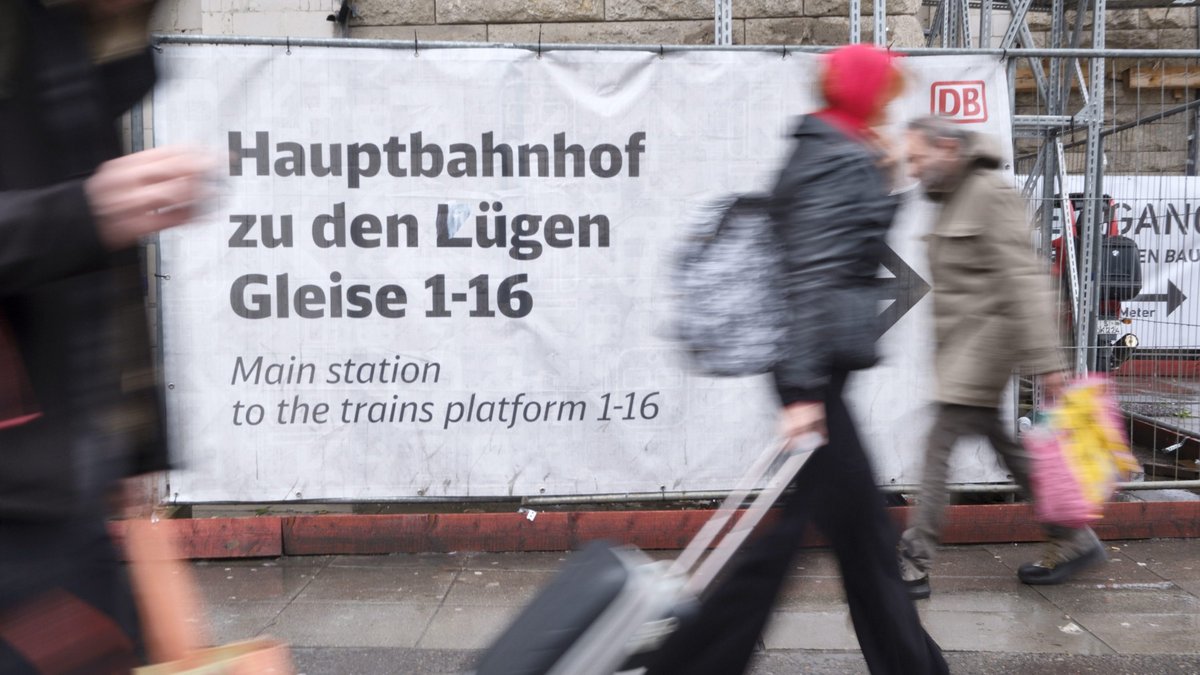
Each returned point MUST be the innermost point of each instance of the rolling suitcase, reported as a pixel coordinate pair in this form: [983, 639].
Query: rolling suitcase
[610, 604]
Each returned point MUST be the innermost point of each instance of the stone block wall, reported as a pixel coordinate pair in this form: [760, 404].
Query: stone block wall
[296, 18]
[1157, 28]
[1161, 147]
[525, 21]
[623, 21]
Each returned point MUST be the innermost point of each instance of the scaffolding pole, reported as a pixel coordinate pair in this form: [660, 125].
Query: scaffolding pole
[880, 23]
[724, 22]
[985, 24]
[1089, 300]
[855, 17]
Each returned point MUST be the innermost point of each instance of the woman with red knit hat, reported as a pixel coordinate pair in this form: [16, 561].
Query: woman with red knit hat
[832, 208]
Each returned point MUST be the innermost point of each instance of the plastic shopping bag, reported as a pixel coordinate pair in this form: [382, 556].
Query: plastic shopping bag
[1079, 455]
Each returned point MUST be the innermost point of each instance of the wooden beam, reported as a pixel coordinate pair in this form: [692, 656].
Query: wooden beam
[1026, 82]
[1163, 77]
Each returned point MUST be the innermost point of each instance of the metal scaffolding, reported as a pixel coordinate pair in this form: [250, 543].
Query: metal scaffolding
[950, 28]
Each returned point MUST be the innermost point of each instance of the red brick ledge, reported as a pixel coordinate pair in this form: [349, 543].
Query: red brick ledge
[218, 537]
[269, 536]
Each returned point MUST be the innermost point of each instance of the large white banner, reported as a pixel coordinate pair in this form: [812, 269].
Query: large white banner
[444, 274]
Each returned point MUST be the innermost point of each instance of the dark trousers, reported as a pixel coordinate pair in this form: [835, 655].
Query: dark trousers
[65, 601]
[919, 542]
[836, 490]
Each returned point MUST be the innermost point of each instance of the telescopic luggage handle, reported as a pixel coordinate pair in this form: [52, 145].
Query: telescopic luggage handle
[789, 456]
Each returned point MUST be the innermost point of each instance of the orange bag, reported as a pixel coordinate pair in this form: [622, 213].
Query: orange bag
[168, 601]
[174, 624]
[261, 656]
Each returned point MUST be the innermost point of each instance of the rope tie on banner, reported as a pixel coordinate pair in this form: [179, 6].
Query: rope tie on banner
[661, 51]
[539, 49]
[289, 46]
[785, 51]
[416, 44]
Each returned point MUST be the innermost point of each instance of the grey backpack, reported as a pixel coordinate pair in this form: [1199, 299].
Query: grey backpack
[732, 316]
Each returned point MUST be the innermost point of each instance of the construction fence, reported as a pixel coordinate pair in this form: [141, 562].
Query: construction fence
[457, 417]
[1144, 328]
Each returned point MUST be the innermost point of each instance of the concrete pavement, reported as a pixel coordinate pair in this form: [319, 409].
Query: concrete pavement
[427, 614]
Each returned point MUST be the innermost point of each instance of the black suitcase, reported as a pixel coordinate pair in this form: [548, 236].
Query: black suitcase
[600, 580]
[611, 604]
[1120, 269]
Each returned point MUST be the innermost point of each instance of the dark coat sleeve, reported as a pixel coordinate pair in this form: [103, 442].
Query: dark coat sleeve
[46, 234]
[126, 81]
[832, 210]
[799, 205]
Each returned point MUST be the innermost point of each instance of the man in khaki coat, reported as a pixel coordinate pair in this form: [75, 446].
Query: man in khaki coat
[993, 309]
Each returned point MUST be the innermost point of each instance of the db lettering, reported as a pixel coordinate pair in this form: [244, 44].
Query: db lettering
[960, 101]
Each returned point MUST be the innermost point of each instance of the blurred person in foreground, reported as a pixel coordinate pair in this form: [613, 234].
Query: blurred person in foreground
[993, 310]
[79, 406]
[832, 209]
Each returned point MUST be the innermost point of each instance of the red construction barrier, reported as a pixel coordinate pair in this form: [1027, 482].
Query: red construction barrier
[270, 536]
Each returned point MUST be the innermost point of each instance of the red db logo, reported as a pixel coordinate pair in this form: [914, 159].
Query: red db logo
[960, 101]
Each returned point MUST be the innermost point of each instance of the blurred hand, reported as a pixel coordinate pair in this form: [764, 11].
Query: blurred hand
[1053, 384]
[146, 192]
[803, 418]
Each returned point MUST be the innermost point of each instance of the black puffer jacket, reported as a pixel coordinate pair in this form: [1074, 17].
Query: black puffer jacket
[832, 210]
[75, 310]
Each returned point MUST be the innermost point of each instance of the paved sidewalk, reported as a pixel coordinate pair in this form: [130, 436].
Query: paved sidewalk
[427, 614]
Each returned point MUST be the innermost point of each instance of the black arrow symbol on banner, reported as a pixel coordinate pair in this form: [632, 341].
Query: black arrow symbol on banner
[1173, 297]
[906, 288]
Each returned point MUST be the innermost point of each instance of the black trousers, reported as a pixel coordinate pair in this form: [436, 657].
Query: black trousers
[65, 597]
[836, 490]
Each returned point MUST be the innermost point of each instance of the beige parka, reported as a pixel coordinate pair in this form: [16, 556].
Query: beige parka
[993, 302]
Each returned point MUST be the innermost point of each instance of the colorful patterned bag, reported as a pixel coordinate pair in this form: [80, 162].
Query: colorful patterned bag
[1079, 455]
[733, 317]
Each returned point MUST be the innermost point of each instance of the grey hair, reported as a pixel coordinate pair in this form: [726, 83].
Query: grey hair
[935, 128]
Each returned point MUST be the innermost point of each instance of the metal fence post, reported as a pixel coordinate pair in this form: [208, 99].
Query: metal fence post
[723, 16]
[1085, 328]
[964, 16]
[855, 16]
[985, 24]
[947, 22]
[881, 23]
